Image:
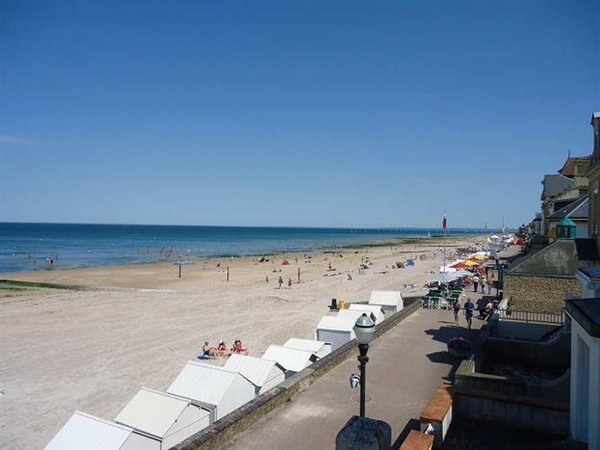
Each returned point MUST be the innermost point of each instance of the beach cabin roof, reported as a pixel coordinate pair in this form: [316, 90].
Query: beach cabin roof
[375, 309]
[256, 370]
[86, 431]
[356, 313]
[307, 345]
[336, 323]
[203, 382]
[386, 298]
[153, 412]
[289, 358]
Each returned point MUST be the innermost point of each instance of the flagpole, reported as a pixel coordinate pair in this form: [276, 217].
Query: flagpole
[444, 226]
[444, 249]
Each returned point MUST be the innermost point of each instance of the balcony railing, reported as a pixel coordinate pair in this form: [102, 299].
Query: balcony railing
[523, 315]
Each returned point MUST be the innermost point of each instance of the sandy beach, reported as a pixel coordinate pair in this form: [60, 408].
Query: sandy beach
[91, 349]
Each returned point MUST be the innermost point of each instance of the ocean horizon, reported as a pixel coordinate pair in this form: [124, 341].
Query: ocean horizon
[31, 246]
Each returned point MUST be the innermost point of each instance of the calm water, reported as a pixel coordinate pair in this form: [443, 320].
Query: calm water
[26, 246]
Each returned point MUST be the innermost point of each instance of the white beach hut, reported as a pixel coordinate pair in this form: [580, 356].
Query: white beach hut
[264, 374]
[390, 301]
[335, 330]
[356, 313]
[290, 359]
[167, 417]
[215, 388]
[317, 348]
[86, 431]
[376, 310]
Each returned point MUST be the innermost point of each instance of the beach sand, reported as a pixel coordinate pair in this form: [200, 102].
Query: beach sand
[132, 326]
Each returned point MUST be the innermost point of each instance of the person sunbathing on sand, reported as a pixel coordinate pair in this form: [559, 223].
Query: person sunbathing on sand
[209, 351]
[222, 349]
[237, 347]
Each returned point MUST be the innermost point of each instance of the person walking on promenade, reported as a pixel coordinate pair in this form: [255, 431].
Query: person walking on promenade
[469, 307]
[280, 282]
[475, 283]
[456, 309]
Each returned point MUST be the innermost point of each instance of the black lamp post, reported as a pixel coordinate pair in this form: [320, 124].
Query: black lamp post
[363, 328]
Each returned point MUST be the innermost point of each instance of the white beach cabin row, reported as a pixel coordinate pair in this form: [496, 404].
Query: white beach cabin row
[203, 393]
[337, 330]
[151, 420]
[199, 395]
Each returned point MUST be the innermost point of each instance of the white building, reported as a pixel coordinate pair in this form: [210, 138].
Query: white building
[262, 373]
[335, 330]
[217, 389]
[291, 360]
[584, 315]
[390, 301]
[167, 417]
[317, 348]
[356, 313]
[83, 431]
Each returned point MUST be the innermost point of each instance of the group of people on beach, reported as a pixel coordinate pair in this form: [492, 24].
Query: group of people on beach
[222, 350]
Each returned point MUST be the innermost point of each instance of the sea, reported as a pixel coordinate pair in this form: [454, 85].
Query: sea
[43, 246]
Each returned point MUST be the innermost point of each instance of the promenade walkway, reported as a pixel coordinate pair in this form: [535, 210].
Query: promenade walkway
[406, 366]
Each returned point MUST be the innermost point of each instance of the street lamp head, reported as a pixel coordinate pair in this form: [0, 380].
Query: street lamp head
[364, 329]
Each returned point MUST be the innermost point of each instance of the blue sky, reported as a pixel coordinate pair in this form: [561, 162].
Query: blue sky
[300, 113]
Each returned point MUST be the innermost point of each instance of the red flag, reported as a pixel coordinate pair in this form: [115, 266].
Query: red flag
[444, 223]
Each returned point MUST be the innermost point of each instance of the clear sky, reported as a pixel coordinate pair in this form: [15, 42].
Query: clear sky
[300, 113]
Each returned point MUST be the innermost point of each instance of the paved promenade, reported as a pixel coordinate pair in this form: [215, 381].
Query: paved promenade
[406, 366]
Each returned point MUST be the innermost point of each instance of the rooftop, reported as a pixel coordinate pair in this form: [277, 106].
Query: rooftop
[289, 358]
[83, 429]
[587, 312]
[555, 183]
[152, 411]
[257, 370]
[556, 259]
[203, 382]
[307, 345]
[578, 209]
[336, 323]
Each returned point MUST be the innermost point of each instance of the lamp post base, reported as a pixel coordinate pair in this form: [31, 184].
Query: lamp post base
[364, 433]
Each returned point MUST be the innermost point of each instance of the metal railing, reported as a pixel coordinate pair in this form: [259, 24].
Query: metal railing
[523, 315]
[435, 303]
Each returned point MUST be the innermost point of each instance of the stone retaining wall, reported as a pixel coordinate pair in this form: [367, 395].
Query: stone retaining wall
[226, 428]
[538, 292]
